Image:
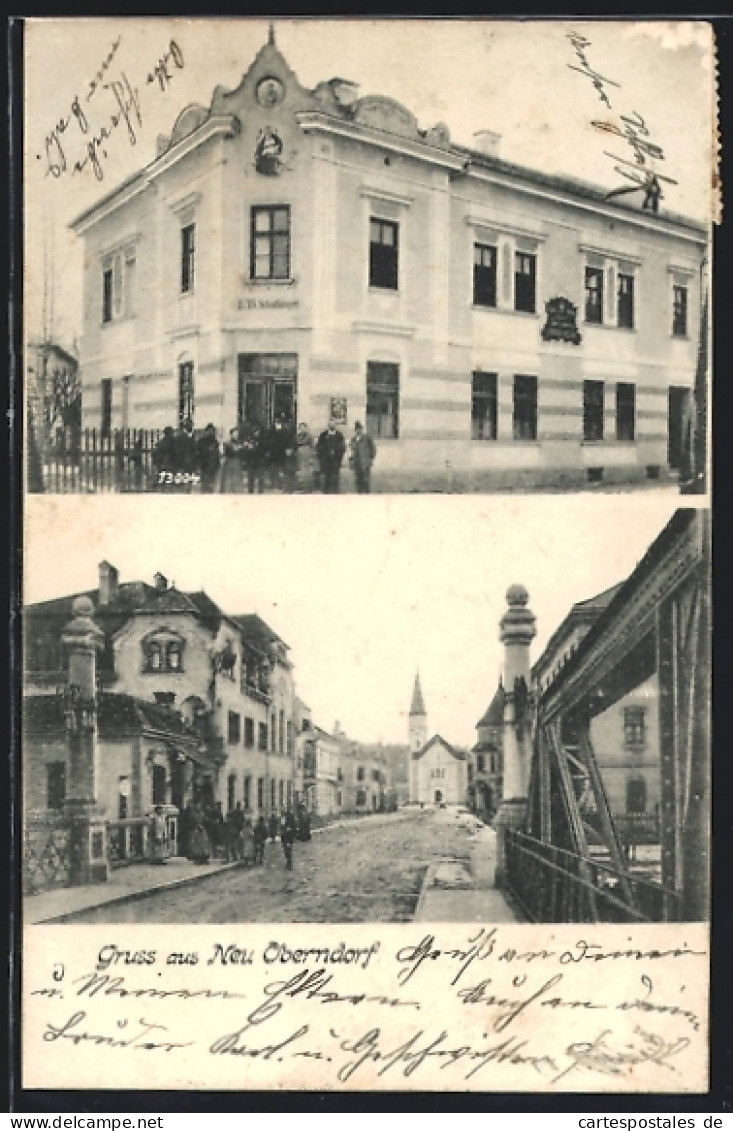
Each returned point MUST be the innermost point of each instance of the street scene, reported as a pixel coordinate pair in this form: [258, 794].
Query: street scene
[528, 747]
[374, 869]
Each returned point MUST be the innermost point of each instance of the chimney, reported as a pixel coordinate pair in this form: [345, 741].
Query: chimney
[487, 142]
[160, 582]
[108, 583]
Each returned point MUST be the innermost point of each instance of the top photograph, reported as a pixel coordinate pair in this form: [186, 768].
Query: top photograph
[391, 256]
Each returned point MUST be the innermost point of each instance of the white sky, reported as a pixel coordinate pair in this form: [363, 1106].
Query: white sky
[511, 77]
[363, 593]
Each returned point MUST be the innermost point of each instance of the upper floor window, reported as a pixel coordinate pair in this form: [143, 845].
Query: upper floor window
[249, 731]
[625, 301]
[188, 256]
[270, 242]
[480, 763]
[118, 284]
[636, 796]
[679, 311]
[383, 399]
[593, 395]
[525, 281]
[484, 275]
[634, 726]
[383, 253]
[594, 294]
[625, 411]
[234, 728]
[484, 407]
[360, 773]
[262, 736]
[162, 653]
[525, 408]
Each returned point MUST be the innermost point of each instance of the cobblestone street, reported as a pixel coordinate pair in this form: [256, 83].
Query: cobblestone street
[368, 870]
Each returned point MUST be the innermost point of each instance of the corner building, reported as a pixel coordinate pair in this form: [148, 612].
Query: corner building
[314, 253]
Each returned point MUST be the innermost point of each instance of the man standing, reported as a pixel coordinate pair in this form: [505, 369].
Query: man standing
[207, 451]
[330, 451]
[362, 451]
[287, 837]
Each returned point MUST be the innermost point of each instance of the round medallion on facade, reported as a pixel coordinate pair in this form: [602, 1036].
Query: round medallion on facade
[269, 92]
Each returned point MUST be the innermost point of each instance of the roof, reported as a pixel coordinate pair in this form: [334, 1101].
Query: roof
[256, 630]
[417, 706]
[583, 614]
[224, 110]
[493, 716]
[118, 716]
[459, 755]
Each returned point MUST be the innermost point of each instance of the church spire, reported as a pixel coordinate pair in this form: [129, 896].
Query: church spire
[271, 35]
[418, 706]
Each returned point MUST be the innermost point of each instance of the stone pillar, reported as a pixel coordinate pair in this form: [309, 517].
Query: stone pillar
[83, 639]
[517, 630]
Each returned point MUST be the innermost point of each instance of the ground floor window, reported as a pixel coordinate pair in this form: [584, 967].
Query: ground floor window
[231, 791]
[272, 793]
[525, 408]
[484, 408]
[383, 399]
[247, 792]
[625, 412]
[55, 785]
[636, 796]
[593, 392]
[260, 794]
[106, 419]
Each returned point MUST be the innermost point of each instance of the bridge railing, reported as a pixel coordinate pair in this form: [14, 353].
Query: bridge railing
[553, 885]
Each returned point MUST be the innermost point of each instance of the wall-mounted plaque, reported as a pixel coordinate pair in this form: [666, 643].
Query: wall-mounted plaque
[562, 322]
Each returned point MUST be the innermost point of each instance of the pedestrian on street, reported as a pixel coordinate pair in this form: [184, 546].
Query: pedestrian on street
[253, 454]
[362, 451]
[259, 838]
[287, 837]
[281, 451]
[273, 824]
[305, 459]
[330, 450]
[207, 454]
[235, 838]
[161, 850]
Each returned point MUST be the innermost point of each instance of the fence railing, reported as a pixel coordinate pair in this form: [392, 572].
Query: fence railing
[94, 461]
[46, 853]
[553, 885]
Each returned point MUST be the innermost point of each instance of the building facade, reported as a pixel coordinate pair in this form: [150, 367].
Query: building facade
[208, 698]
[316, 254]
[486, 758]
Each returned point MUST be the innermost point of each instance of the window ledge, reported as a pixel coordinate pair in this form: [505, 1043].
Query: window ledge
[505, 310]
[610, 326]
[257, 283]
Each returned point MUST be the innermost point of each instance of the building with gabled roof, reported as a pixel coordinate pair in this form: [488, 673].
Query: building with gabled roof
[314, 253]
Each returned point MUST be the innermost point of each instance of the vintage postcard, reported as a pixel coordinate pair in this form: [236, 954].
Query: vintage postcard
[401, 793]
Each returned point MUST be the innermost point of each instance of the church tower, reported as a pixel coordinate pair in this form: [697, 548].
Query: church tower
[417, 733]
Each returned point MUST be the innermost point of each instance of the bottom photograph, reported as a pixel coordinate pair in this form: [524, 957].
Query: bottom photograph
[402, 710]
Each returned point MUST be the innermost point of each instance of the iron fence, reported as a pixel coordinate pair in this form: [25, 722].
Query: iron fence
[553, 885]
[95, 461]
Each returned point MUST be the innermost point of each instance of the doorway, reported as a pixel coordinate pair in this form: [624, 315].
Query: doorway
[267, 388]
[438, 796]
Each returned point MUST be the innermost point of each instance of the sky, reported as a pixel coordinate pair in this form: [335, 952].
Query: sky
[514, 78]
[366, 594]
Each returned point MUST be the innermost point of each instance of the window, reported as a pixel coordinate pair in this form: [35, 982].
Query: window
[625, 412]
[55, 785]
[625, 307]
[234, 727]
[249, 732]
[272, 793]
[260, 794]
[231, 792]
[106, 421]
[338, 798]
[289, 738]
[484, 275]
[361, 797]
[594, 295]
[484, 414]
[339, 774]
[290, 794]
[593, 392]
[185, 394]
[480, 763]
[525, 271]
[281, 733]
[159, 785]
[162, 655]
[270, 242]
[679, 311]
[382, 399]
[118, 285]
[360, 773]
[634, 726]
[247, 791]
[636, 796]
[262, 736]
[281, 792]
[273, 731]
[383, 253]
[525, 408]
[188, 255]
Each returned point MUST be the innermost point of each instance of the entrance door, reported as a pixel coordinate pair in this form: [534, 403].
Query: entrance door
[438, 796]
[678, 428]
[267, 388]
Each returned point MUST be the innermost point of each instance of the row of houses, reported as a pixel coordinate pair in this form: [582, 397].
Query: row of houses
[315, 254]
[158, 697]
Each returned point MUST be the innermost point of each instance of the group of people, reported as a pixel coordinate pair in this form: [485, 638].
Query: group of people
[254, 459]
[205, 834]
